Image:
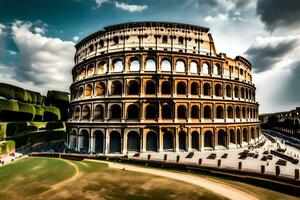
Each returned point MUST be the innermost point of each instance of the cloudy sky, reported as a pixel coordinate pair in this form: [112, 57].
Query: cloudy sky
[37, 38]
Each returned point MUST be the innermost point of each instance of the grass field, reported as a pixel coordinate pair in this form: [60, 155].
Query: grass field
[48, 178]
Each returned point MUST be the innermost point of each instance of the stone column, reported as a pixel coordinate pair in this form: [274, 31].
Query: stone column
[106, 142]
[176, 140]
[124, 143]
[160, 142]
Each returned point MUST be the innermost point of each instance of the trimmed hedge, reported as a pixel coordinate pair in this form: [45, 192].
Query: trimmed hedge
[58, 95]
[7, 146]
[51, 113]
[9, 105]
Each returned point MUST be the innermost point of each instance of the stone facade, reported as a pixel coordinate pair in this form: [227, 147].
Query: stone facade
[155, 86]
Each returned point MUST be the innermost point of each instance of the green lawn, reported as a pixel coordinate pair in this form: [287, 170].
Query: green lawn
[37, 178]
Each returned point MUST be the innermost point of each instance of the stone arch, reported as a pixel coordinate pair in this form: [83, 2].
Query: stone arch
[115, 111]
[218, 90]
[237, 112]
[73, 139]
[245, 135]
[86, 112]
[252, 133]
[194, 67]
[236, 92]
[84, 141]
[208, 139]
[207, 112]
[244, 112]
[118, 65]
[150, 111]
[182, 140]
[232, 136]
[238, 134]
[166, 111]
[181, 88]
[150, 65]
[116, 88]
[181, 112]
[133, 87]
[230, 112]
[134, 64]
[206, 68]
[242, 92]
[102, 67]
[152, 141]
[195, 112]
[168, 141]
[217, 69]
[133, 141]
[228, 91]
[77, 113]
[206, 89]
[80, 94]
[98, 112]
[133, 112]
[90, 70]
[165, 65]
[114, 142]
[166, 87]
[194, 88]
[180, 66]
[99, 141]
[150, 87]
[88, 90]
[219, 112]
[222, 138]
[195, 140]
[100, 89]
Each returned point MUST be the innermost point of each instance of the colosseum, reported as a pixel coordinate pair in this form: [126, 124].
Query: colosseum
[156, 87]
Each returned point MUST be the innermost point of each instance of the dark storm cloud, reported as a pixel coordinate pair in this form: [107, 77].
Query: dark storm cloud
[279, 13]
[265, 52]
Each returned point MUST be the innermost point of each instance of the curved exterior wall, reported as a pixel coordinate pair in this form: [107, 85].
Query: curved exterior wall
[155, 86]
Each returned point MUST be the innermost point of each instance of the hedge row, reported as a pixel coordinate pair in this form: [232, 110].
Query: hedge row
[11, 110]
[9, 129]
[13, 92]
[7, 146]
[58, 95]
[38, 137]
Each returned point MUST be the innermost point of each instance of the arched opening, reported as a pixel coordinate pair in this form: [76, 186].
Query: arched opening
[134, 65]
[238, 134]
[133, 141]
[218, 90]
[77, 113]
[118, 65]
[99, 141]
[166, 111]
[150, 65]
[166, 87]
[244, 112]
[232, 136]
[90, 70]
[133, 87]
[245, 135]
[195, 112]
[246, 91]
[81, 74]
[88, 90]
[165, 66]
[220, 112]
[194, 88]
[182, 141]
[252, 133]
[194, 67]
[228, 91]
[248, 113]
[152, 140]
[116, 88]
[205, 68]
[99, 112]
[114, 142]
[151, 111]
[181, 88]
[150, 87]
[207, 112]
[80, 92]
[222, 138]
[165, 39]
[84, 141]
[133, 112]
[86, 113]
[206, 89]
[102, 67]
[236, 92]
[116, 40]
[230, 112]
[242, 93]
[180, 40]
[208, 139]
[217, 69]
[181, 112]
[100, 89]
[195, 140]
[115, 112]
[180, 66]
[237, 112]
[73, 140]
[168, 141]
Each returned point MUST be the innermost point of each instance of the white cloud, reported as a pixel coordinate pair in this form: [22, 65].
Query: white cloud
[130, 7]
[44, 62]
[39, 30]
[219, 17]
[2, 28]
[100, 2]
[75, 38]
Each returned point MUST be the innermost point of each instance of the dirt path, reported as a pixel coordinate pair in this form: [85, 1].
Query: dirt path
[218, 188]
[59, 185]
